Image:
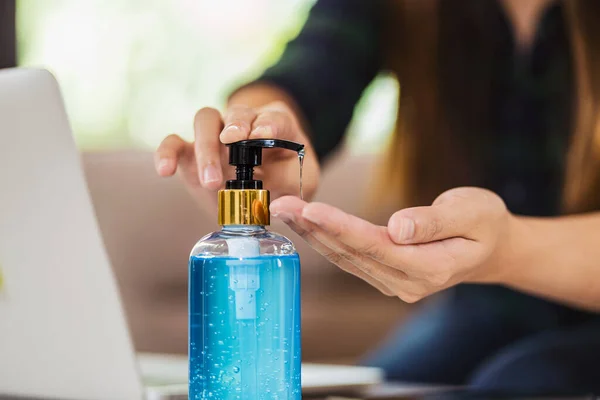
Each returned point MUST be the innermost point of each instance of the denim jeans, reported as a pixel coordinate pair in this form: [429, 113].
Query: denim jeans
[493, 338]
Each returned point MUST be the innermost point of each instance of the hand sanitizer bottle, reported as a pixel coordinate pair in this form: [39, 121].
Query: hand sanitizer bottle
[244, 295]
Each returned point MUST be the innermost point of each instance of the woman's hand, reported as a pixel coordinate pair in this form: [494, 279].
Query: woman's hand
[466, 235]
[203, 164]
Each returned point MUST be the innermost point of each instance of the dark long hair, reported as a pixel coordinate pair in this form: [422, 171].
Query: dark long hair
[427, 154]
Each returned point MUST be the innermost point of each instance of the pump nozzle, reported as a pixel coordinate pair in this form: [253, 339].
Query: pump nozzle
[247, 154]
[269, 144]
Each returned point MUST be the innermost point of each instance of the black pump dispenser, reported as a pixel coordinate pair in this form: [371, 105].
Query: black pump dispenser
[247, 154]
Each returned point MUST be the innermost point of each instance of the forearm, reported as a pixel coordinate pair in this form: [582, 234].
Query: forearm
[259, 94]
[557, 258]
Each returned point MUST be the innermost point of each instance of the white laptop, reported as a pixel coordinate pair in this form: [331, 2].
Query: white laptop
[63, 332]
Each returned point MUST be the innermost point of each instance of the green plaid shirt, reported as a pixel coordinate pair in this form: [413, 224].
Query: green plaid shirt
[337, 54]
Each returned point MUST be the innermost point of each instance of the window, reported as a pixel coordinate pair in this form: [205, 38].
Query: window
[133, 71]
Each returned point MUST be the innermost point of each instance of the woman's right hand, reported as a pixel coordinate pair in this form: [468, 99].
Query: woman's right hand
[203, 164]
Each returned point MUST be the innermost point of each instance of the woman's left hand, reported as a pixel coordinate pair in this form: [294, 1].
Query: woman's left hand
[466, 235]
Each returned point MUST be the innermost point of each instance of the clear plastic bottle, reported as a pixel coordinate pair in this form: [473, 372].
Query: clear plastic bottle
[244, 303]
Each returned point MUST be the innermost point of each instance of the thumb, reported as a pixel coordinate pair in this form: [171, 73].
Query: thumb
[451, 215]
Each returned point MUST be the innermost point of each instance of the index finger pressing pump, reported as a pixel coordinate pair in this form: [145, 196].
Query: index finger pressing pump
[244, 294]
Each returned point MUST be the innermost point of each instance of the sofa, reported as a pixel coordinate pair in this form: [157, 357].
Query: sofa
[149, 225]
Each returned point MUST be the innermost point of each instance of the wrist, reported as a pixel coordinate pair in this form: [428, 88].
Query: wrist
[258, 94]
[515, 253]
[509, 254]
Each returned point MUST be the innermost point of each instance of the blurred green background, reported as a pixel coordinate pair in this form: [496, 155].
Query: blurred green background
[133, 71]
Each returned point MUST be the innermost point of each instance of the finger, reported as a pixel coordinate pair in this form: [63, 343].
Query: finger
[408, 288]
[411, 262]
[371, 271]
[207, 125]
[433, 223]
[378, 271]
[238, 123]
[274, 124]
[386, 279]
[168, 154]
[368, 239]
[361, 246]
[336, 258]
[288, 211]
[455, 213]
[402, 285]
